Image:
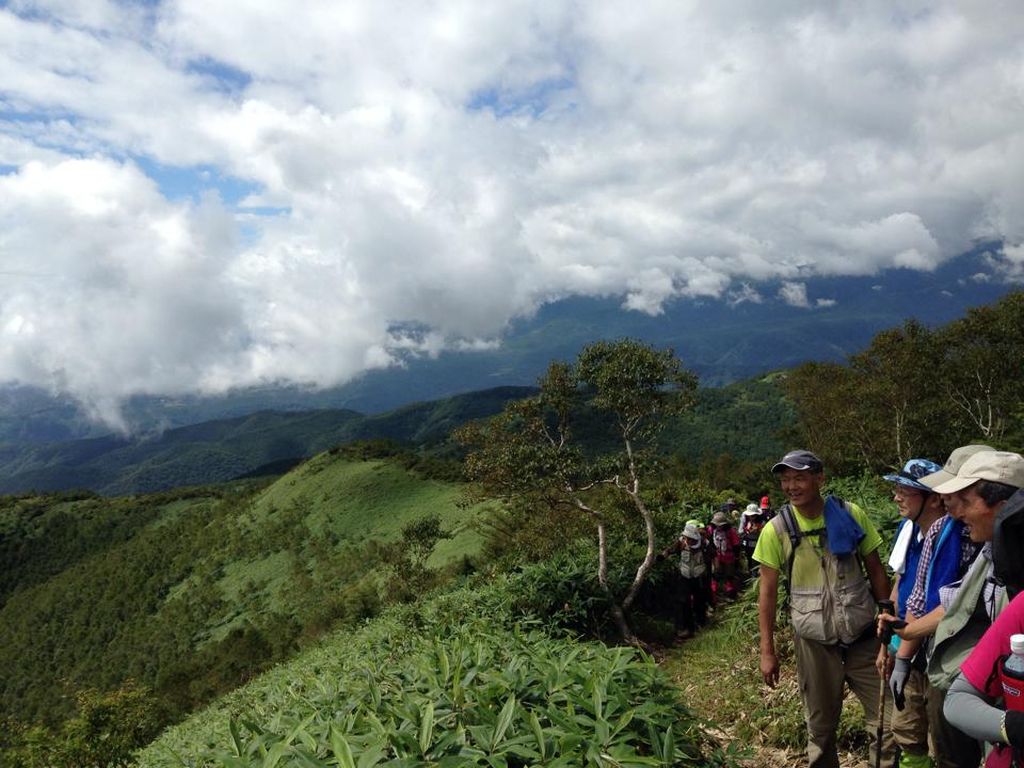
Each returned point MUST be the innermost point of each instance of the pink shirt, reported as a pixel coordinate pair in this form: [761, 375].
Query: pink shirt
[980, 668]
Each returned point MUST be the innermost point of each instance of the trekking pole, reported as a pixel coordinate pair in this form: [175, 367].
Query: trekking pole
[880, 731]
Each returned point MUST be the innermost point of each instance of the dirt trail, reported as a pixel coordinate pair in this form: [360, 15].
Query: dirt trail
[772, 757]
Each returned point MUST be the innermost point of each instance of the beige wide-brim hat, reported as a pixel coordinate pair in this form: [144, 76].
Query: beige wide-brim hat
[997, 466]
[952, 466]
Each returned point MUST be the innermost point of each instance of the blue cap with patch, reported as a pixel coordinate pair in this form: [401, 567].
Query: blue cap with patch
[912, 472]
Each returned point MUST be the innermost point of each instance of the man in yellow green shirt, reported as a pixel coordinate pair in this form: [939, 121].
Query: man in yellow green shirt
[827, 551]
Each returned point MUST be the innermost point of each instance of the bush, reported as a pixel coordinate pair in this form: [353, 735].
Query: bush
[564, 594]
[450, 683]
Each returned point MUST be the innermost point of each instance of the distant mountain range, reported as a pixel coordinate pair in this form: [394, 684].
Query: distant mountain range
[224, 449]
[746, 420]
[722, 341]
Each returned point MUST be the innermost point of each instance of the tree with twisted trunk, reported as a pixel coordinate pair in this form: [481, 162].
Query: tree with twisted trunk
[584, 443]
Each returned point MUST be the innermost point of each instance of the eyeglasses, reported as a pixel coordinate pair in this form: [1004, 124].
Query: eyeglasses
[903, 492]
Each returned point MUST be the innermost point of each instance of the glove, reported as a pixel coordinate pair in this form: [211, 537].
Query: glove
[1014, 726]
[898, 681]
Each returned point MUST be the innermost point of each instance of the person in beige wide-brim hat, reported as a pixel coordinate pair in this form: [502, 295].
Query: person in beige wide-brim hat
[982, 485]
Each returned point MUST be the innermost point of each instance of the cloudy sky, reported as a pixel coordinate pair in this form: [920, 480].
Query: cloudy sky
[200, 195]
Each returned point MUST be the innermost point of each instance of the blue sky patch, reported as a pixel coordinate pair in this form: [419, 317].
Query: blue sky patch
[189, 183]
[534, 100]
[223, 77]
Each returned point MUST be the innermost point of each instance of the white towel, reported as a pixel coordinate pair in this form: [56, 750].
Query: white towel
[898, 558]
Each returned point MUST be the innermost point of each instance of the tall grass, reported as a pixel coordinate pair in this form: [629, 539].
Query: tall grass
[720, 674]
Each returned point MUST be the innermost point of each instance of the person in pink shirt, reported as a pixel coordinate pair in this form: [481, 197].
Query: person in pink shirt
[970, 703]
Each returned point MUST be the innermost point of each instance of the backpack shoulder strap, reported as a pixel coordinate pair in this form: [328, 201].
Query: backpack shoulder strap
[785, 521]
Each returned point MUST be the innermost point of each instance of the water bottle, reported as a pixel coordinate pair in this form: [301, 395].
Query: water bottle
[1012, 674]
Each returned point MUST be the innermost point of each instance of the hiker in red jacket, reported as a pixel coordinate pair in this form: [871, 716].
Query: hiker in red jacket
[727, 546]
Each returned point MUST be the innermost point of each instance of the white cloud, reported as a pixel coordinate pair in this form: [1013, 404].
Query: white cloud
[745, 293]
[450, 166]
[1009, 263]
[794, 294]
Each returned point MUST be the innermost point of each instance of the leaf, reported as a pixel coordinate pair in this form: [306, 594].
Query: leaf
[504, 721]
[538, 734]
[426, 728]
[371, 756]
[236, 738]
[443, 663]
[342, 750]
[275, 754]
[625, 720]
[668, 752]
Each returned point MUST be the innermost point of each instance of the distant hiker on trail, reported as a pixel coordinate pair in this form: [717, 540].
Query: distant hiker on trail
[904, 665]
[727, 548]
[709, 558]
[691, 600]
[766, 507]
[751, 523]
[946, 553]
[821, 546]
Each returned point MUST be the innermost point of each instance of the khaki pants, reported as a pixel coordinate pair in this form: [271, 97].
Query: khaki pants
[822, 671]
[910, 724]
[953, 747]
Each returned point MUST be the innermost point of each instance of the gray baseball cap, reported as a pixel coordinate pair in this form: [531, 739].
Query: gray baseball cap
[799, 460]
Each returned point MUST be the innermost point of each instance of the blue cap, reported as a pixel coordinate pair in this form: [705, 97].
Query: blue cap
[912, 472]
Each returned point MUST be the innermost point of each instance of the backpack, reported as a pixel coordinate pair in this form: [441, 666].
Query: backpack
[1007, 543]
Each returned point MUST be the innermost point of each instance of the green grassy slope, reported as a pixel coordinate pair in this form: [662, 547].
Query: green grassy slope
[190, 594]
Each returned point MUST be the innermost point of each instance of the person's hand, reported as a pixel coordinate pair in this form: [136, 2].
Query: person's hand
[898, 681]
[883, 662]
[770, 668]
[889, 625]
[882, 624]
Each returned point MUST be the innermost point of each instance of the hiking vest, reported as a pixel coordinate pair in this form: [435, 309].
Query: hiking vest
[961, 627]
[944, 567]
[691, 562]
[830, 600]
[910, 566]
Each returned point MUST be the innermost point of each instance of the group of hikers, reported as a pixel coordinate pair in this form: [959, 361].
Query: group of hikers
[927, 652]
[712, 561]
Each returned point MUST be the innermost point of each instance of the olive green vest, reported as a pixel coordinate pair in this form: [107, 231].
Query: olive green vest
[962, 627]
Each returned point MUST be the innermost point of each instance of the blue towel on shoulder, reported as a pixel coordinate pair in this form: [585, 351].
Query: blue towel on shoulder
[844, 534]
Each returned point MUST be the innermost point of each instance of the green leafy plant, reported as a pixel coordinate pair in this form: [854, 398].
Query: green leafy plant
[472, 690]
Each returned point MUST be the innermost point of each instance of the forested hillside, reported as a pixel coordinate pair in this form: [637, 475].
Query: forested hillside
[742, 419]
[191, 593]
